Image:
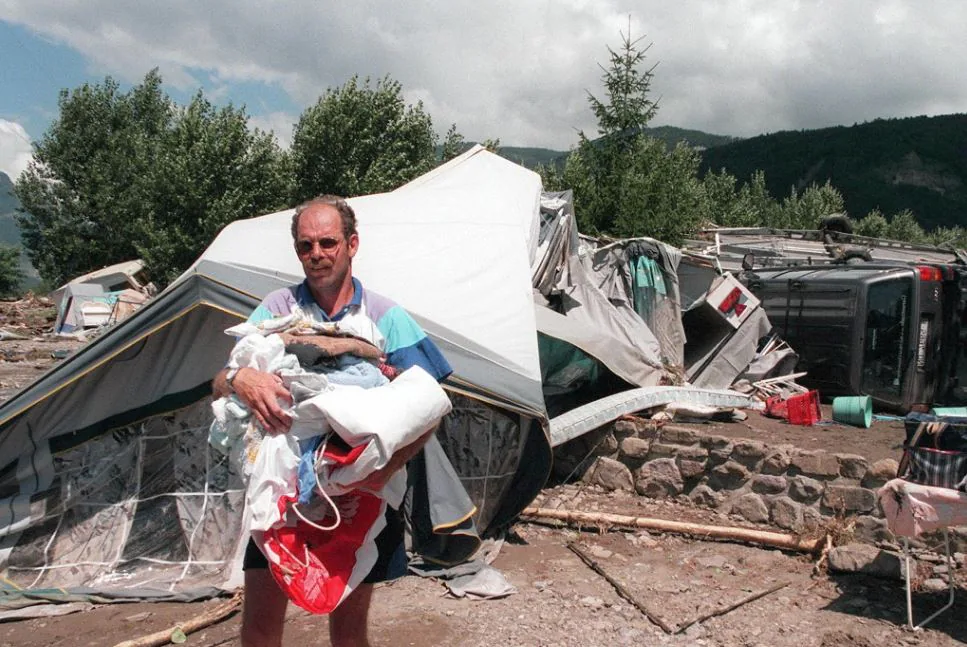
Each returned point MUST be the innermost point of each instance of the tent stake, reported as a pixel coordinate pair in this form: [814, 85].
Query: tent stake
[622, 591]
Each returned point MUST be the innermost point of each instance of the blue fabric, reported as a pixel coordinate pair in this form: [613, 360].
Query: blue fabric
[424, 354]
[354, 371]
[307, 468]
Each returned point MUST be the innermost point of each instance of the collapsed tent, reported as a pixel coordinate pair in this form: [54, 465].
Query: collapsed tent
[107, 480]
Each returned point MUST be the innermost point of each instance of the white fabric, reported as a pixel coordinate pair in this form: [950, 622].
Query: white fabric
[384, 418]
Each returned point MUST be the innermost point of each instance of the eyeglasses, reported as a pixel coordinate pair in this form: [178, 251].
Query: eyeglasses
[327, 244]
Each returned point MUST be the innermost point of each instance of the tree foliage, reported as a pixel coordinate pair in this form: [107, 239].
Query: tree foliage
[359, 139]
[11, 274]
[120, 175]
[626, 183]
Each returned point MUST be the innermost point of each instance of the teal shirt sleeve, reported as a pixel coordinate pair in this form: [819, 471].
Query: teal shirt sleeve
[408, 345]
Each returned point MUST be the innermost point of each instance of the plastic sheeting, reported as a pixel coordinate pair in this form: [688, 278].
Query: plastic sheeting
[579, 421]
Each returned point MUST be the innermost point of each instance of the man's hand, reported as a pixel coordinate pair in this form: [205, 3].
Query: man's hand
[261, 393]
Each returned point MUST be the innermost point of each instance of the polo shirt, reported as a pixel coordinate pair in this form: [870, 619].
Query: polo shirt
[403, 340]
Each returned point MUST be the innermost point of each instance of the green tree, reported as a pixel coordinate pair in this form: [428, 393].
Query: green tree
[806, 210]
[11, 274]
[453, 144]
[213, 170]
[120, 175]
[359, 139]
[83, 195]
[873, 224]
[626, 183]
[904, 226]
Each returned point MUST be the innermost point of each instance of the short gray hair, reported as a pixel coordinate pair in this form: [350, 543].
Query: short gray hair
[346, 213]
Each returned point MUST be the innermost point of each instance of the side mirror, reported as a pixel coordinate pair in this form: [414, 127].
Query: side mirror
[748, 262]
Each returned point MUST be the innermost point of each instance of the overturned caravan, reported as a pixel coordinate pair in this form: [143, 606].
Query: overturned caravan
[108, 487]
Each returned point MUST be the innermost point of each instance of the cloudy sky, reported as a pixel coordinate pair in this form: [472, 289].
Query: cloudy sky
[517, 70]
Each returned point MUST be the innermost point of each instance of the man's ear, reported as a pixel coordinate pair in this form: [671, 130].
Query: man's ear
[353, 244]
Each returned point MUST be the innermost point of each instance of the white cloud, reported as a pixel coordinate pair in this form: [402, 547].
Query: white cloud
[15, 150]
[519, 71]
[280, 123]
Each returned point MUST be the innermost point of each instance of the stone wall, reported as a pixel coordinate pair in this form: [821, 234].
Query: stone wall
[790, 488]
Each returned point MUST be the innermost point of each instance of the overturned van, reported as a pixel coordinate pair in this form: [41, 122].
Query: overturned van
[891, 331]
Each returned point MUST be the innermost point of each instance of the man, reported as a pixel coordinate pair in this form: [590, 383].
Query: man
[325, 237]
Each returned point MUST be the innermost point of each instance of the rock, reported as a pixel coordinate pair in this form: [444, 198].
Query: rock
[719, 447]
[609, 474]
[748, 452]
[941, 569]
[872, 530]
[866, 559]
[805, 489]
[768, 484]
[811, 519]
[815, 463]
[934, 585]
[751, 507]
[659, 478]
[706, 496]
[852, 466]
[679, 435]
[541, 585]
[640, 427]
[728, 476]
[602, 442]
[600, 552]
[880, 472]
[636, 448]
[643, 540]
[662, 450]
[776, 461]
[690, 469]
[592, 602]
[712, 561]
[849, 498]
[786, 513]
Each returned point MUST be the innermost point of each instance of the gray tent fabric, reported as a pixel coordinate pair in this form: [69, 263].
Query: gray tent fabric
[106, 476]
[611, 268]
[564, 273]
[724, 361]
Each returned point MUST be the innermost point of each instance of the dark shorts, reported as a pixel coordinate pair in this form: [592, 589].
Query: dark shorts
[390, 562]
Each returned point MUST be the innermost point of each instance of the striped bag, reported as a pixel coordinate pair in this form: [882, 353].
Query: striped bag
[924, 463]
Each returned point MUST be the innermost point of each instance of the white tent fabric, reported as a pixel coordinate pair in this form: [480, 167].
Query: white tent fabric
[452, 247]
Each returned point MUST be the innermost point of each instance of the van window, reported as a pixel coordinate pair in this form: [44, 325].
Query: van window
[888, 314]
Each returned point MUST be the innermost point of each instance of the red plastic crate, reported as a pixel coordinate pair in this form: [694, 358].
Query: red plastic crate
[804, 409]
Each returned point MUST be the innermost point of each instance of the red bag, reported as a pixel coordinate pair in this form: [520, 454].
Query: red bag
[318, 563]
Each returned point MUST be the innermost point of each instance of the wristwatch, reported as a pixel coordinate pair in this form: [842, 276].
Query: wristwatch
[230, 376]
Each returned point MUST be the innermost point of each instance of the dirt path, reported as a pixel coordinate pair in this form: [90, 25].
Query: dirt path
[561, 602]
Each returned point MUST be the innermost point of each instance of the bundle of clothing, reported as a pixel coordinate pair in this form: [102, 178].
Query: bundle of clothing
[350, 414]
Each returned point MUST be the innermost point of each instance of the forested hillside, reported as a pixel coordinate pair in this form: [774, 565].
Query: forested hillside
[916, 163]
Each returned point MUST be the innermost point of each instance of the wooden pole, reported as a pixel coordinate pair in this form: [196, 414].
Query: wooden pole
[200, 621]
[622, 591]
[731, 607]
[597, 519]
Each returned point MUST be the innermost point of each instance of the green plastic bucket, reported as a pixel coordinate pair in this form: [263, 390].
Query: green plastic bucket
[853, 410]
[957, 412]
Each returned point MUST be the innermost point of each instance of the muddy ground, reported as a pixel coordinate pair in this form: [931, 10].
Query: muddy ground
[559, 599]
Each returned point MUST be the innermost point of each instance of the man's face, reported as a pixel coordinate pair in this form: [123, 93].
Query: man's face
[325, 254]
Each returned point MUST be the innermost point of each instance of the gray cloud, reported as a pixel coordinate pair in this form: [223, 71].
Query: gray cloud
[520, 70]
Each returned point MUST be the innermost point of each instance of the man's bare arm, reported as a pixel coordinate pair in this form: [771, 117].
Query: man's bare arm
[261, 393]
